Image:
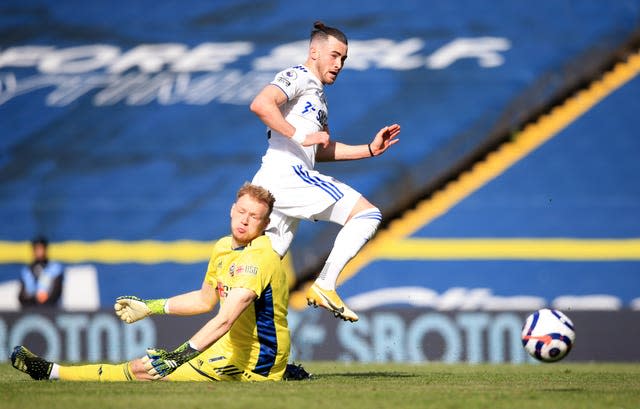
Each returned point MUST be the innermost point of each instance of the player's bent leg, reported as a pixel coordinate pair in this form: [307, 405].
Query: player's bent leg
[361, 205]
[281, 230]
[213, 368]
[361, 225]
[198, 369]
[189, 372]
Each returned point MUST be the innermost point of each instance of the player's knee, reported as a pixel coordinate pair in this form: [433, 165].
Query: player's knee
[362, 205]
[369, 219]
[355, 234]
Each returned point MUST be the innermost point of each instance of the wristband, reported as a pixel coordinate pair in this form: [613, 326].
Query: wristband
[156, 306]
[299, 137]
[183, 353]
[370, 151]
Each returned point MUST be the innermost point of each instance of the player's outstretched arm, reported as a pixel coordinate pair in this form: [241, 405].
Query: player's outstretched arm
[336, 151]
[384, 139]
[131, 308]
[160, 363]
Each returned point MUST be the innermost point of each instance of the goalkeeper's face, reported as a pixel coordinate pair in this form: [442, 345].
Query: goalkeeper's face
[249, 218]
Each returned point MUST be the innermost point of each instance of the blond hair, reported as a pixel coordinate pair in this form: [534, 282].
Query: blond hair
[258, 193]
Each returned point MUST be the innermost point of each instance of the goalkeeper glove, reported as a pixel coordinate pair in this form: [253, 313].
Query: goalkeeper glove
[131, 309]
[159, 363]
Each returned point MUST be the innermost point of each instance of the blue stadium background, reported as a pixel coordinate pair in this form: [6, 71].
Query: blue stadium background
[90, 154]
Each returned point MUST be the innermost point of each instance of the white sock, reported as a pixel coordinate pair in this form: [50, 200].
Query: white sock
[353, 235]
[55, 372]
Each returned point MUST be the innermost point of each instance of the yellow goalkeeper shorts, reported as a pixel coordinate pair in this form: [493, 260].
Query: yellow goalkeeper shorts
[212, 365]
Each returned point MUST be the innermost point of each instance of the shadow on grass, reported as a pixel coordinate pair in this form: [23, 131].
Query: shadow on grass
[563, 390]
[366, 375]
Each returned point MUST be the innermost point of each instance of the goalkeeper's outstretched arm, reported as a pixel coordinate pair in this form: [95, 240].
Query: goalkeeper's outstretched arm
[131, 308]
[194, 302]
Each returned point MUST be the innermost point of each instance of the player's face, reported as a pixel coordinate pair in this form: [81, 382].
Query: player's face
[330, 57]
[248, 220]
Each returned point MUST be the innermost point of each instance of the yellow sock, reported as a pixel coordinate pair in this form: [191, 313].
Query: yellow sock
[97, 372]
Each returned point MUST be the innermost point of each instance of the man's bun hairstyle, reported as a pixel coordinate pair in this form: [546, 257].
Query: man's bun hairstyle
[322, 31]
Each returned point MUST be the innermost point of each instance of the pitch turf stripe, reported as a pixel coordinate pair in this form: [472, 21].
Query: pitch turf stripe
[495, 163]
[513, 249]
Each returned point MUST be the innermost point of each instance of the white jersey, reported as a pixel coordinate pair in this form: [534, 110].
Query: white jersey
[305, 109]
[301, 192]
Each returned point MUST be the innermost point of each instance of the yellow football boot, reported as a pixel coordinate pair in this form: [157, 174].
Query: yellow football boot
[330, 300]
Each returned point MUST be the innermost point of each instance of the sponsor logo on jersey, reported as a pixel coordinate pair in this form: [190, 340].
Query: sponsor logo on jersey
[249, 270]
[322, 117]
[321, 114]
[308, 107]
[283, 81]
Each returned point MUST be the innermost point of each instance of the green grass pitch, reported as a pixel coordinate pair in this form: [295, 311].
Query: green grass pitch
[345, 386]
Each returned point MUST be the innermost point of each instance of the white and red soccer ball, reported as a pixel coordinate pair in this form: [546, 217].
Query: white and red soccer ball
[548, 335]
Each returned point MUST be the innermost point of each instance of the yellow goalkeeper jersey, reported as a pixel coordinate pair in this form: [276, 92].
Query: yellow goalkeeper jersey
[259, 340]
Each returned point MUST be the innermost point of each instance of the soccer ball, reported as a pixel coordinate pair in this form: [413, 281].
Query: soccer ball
[548, 335]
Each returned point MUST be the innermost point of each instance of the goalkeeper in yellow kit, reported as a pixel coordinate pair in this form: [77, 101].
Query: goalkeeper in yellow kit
[248, 339]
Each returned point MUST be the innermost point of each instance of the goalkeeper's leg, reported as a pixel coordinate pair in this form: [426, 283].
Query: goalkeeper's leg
[40, 369]
[128, 371]
[97, 372]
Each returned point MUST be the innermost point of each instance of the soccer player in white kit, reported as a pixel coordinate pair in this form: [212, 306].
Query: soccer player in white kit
[294, 109]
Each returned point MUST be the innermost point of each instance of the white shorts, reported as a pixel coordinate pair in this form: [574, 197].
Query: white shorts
[306, 194]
